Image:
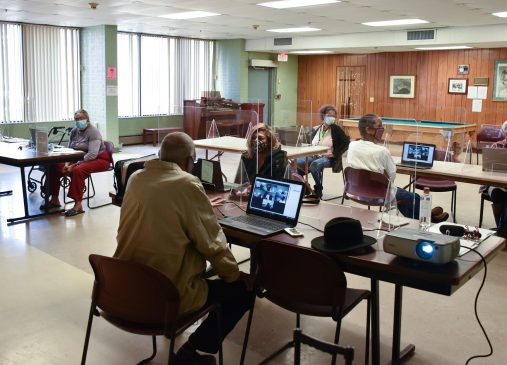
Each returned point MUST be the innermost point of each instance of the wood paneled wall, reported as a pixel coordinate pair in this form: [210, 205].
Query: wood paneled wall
[432, 69]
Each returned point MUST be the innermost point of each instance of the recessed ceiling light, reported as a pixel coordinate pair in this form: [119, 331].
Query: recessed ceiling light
[293, 30]
[502, 14]
[316, 51]
[386, 23]
[442, 48]
[189, 15]
[296, 3]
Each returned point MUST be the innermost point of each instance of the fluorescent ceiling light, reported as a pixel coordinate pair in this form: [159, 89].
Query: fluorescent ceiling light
[386, 23]
[502, 14]
[293, 30]
[296, 3]
[442, 47]
[316, 51]
[189, 15]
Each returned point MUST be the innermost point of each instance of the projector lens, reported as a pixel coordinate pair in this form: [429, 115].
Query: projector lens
[425, 250]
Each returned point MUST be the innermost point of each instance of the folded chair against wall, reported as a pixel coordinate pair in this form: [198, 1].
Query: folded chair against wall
[306, 282]
[139, 299]
[330, 348]
[90, 187]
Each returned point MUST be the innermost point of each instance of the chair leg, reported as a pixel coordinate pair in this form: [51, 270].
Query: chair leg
[154, 353]
[87, 337]
[454, 200]
[297, 346]
[219, 333]
[336, 338]
[247, 332]
[481, 212]
[90, 181]
[368, 328]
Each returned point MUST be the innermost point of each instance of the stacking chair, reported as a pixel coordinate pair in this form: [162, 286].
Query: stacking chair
[320, 289]
[139, 299]
[365, 187]
[440, 185]
[330, 348]
[488, 135]
[65, 181]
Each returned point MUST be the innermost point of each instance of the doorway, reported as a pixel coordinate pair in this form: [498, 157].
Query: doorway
[260, 90]
[350, 90]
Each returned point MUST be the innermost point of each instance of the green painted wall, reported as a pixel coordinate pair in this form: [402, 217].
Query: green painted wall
[134, 126]
[286, 84]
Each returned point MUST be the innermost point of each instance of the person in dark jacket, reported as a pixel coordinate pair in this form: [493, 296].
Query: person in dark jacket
[264, 156]
[331, 135]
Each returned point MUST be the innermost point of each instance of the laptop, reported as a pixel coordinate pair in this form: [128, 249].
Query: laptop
[210, 174]
[494, 159]
[417, 155]
[274, 205]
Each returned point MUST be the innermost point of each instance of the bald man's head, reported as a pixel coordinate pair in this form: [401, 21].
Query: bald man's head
[179, 148]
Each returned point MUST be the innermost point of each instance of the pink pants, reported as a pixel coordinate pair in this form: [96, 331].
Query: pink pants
[78, 175]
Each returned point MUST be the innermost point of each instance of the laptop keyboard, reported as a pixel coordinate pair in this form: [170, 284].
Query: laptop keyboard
[259, 221]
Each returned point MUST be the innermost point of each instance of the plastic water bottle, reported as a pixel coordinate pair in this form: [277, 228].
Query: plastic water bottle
[425, 210]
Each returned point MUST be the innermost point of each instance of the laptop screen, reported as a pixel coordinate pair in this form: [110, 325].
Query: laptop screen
[419, 153]
[276, 199]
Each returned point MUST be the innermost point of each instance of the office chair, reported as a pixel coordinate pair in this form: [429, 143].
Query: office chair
[365, 187]
[330, 348]
[90, 187]
[437, 185]
[318, 290]
[139, 299]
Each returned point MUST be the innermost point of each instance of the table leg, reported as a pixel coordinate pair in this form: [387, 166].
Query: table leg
[144, 137]
[306, 168]
[154, 137]
[375, 322]
[398, 356]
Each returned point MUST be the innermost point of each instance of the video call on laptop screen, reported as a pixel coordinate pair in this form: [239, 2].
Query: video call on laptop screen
[417, 152]
[275, 197]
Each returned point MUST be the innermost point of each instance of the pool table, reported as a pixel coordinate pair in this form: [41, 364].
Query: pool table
[400, 130]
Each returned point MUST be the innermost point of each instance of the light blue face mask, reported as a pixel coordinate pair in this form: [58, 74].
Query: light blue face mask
[81, 124]
[329, 120]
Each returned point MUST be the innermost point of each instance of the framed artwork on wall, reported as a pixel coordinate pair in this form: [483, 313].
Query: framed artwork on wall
[402, 86]
[457, 86]
[463, 69]
[500, 81]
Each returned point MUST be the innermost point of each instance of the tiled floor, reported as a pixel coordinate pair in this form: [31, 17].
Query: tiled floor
[46, 284]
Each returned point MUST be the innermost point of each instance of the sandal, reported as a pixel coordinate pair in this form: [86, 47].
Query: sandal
[50, 206]
[73, 212]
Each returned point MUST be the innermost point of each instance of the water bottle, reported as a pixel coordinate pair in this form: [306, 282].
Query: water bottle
[425, 210]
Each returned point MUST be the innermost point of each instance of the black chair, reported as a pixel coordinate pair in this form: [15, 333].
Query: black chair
[488, 135]
[281, 280]
[139, 299]
[330, 348]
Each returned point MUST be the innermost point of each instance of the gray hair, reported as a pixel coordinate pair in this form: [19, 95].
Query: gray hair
[82, 111]
[367, 121]
[176, 147]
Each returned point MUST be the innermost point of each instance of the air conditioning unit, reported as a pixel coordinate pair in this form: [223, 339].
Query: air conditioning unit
[263, 63]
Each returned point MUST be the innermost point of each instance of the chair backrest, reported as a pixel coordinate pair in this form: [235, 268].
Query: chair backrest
[366, 187]
[133, 292]
[490, 134]
[295, 277]
[110, 149]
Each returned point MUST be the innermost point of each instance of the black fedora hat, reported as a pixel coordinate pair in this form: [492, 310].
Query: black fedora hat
[342, 234]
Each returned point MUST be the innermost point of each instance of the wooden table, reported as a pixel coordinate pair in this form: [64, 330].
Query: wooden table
[381, 266]
[238, 145]
[19, 155]
[155, 132]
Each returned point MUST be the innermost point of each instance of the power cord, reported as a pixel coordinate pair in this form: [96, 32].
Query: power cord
[475, 308]
[309, 225]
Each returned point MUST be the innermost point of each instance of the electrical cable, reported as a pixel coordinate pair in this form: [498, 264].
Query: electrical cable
[475, 309]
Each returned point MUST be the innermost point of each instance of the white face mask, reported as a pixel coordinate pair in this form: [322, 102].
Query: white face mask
[329, 120]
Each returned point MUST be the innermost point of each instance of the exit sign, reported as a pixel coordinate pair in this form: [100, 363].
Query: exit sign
[283, 57]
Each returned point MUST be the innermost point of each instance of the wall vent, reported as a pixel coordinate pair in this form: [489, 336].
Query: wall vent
[283, 42]
[420, 35]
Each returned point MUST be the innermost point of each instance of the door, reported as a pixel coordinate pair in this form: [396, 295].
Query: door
[350, 91]
[260, 90]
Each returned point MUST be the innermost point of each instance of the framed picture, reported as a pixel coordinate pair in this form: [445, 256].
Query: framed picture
[500, 81]
[402, 86]
[463, 69]
[458, 86]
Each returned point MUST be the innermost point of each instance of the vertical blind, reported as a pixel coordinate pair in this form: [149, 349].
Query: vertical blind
[11, 74]
[51, 72]
[161, 72]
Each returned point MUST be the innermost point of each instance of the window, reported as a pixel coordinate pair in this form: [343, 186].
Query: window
[156, 73]
[39, 73]
[11, 74]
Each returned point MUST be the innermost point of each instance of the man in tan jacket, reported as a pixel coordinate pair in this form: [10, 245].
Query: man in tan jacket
[167, 222]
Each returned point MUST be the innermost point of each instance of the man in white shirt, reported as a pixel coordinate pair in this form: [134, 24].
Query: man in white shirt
[167, 222]
[366, 155]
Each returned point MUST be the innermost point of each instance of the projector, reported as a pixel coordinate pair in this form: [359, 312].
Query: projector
[422, 245]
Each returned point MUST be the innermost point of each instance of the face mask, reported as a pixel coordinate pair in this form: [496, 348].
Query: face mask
[259, 145]
[329, 120]
[81, 124]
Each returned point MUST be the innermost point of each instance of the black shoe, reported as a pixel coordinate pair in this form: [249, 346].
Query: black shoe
[186, 355]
